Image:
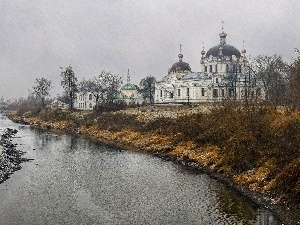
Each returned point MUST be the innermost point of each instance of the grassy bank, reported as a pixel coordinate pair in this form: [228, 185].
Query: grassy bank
[254, 146]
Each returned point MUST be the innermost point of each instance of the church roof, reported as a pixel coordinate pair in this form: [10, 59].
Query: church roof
[196, 75]
[228, 50]
[180, 66]
[128, 87]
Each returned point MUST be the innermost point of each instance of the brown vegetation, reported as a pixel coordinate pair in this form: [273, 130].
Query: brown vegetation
[255, 145]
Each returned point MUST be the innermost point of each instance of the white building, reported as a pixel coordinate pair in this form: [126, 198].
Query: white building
[57, 104]
[225, 75]
[84, 101]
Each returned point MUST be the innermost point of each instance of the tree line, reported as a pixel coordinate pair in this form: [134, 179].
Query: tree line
[104, 87]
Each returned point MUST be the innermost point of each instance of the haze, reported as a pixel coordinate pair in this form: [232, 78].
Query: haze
[37, 37]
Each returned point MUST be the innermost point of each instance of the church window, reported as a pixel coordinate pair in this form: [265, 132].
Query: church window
[90, 96]
[161, 93]
[188, 92]
[91, 105]
[231, 92]
[205, 69]
[216, 68]
[171, 94]
[178, 92]
[222, 92]
[217, 80]
[215, 93]
[202, 92]
[227, 68]
[210, 68]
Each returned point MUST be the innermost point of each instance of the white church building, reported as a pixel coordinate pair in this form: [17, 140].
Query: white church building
[225, 74]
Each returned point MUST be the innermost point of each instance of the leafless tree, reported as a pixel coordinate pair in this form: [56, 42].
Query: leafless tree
[41, 90]
[272, 71]
[69, 83]
[103, 86]
[147, 87]
[294, 82]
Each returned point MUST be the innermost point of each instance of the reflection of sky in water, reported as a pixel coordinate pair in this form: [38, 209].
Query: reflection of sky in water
[76, 181]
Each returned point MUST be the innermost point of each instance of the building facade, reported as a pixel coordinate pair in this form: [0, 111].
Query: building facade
[225, 74]
[84, 101]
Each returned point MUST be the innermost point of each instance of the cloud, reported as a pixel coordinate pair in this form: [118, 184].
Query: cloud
[37, 37]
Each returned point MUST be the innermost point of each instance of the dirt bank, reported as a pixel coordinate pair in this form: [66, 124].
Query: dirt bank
[255, 172]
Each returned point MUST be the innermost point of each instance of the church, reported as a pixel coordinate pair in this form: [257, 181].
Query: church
[225, 74]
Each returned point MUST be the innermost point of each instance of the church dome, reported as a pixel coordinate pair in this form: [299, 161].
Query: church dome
[180, 66]
[128, 87]
[228, 50]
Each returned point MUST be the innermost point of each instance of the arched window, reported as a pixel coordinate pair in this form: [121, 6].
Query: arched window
[90, 97]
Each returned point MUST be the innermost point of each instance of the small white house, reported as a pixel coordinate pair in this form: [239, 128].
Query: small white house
[57, 104]
[84, 101]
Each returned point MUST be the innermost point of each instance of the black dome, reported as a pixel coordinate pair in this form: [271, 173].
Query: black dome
[228, 50]
[180, 66]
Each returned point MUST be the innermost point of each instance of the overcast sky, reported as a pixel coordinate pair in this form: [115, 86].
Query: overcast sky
[39, 36]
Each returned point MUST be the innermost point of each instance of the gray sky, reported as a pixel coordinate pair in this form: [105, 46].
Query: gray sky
[39, 36]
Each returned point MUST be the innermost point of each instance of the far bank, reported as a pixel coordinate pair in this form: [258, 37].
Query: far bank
[253, 148]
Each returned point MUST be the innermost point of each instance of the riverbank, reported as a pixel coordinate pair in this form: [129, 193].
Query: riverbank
[10, 157]
[254, 150]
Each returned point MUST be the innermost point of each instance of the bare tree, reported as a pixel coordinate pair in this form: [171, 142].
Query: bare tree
[69, 83]
[103, 86]
[271, 70]
[147, 87]
[41, 90]
[294, 82]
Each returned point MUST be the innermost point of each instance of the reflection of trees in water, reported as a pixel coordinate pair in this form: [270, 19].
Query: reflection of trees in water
[235, 206]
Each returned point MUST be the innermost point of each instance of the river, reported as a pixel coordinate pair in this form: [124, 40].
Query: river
[73, 180]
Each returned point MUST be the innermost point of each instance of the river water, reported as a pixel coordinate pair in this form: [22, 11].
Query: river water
[76, 181]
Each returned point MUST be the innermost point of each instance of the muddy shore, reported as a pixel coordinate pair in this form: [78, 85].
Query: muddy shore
[163, 147]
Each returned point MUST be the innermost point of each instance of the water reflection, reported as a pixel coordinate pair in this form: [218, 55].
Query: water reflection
[76, 181]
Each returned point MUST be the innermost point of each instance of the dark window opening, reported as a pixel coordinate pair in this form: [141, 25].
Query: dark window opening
[231, 92]
[222, 92]
[215, 93]
[202, 91]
